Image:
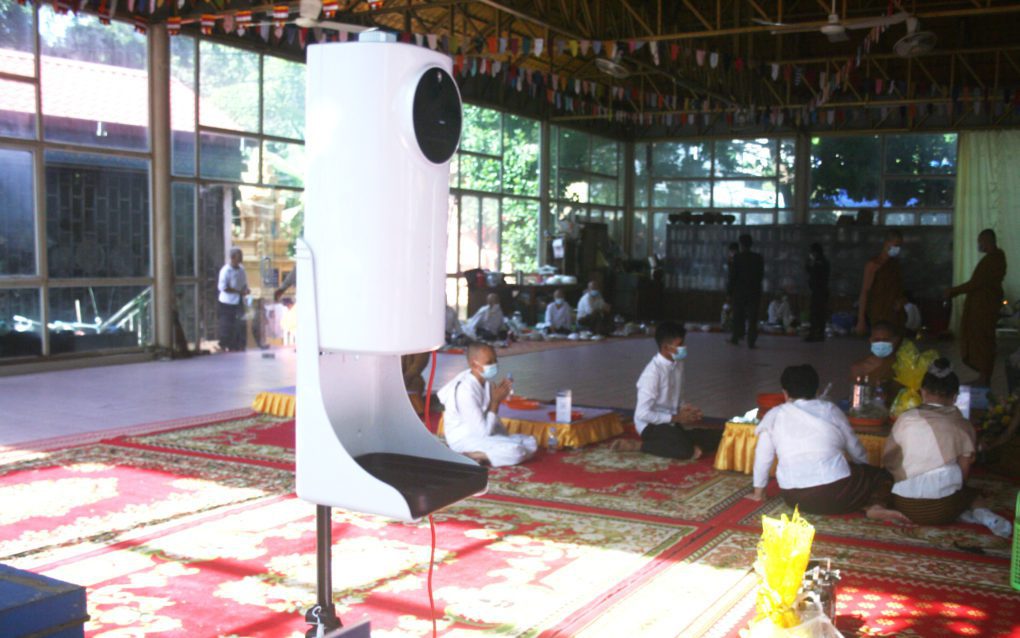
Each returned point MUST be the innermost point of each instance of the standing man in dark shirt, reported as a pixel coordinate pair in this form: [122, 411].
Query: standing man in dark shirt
[818, 283]
[745, 292]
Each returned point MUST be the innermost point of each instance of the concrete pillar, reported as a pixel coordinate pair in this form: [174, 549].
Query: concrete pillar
[802, 178]
[159, 114]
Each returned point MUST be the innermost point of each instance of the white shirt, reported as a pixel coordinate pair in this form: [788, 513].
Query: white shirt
[488, 317]
[937, 483]
[557, 315]
[659, 389]
[589, 304]
[779, 313]
[466, 414]
[231, 277]
[809, 437]
[452, 322]
[913, 317]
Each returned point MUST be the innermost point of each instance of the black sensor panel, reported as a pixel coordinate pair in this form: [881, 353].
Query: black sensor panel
[437, 115]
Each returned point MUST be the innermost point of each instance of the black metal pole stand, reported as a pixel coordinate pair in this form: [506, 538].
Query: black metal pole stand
[323, 616]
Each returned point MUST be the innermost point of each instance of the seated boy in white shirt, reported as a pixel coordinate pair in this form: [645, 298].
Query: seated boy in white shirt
[558, 315]
[489, 324]
[471, 422]
[659, 412]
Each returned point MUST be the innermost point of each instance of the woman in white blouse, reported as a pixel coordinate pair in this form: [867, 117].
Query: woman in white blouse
[812, 439]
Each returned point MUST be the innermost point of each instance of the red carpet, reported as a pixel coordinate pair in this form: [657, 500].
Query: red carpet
[195, 532]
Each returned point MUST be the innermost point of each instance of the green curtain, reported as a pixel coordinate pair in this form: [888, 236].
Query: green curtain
[987, 196]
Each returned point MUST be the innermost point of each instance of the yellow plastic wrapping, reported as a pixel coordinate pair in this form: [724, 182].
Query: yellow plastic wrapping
[783, 555]
[909, 369]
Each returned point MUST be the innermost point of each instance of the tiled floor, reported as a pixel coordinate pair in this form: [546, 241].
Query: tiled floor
[721, 378]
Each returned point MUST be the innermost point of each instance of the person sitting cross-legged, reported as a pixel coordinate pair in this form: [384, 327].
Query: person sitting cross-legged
[489, 323]
[659, 412]
[470, 419]
[810, 437]
[558, 316]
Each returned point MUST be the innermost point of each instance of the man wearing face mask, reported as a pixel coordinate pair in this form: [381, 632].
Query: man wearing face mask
[557, 315]
[471, 413]
[881, 296]
[878, 365]
[488, 324]
[660, 410]
[593, 312]
[981, 307]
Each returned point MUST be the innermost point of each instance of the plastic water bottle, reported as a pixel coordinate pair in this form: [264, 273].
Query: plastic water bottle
[553, 443]
[510, 378]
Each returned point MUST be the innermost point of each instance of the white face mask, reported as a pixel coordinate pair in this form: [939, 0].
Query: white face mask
[894, 251]
[490, 371]
[559, 302]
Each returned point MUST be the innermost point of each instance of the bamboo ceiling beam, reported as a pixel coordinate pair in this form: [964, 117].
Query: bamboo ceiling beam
[697, 14]
[637, 17]
[761, 12]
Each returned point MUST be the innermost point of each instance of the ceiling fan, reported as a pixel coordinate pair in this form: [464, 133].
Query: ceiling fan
[613, 66]
[835, 29]
[915, 42]
[308, 18]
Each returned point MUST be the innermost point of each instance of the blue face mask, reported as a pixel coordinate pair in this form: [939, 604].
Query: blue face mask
[593, 293]
[894, 251]
[680, 354]
[882, 349]
[490, 371]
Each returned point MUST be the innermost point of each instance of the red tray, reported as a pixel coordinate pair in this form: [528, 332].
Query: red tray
[574, 415]
[520, 403]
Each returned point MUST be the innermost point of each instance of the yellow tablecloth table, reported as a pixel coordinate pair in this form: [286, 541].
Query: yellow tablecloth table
[736, 449]
[594, 425]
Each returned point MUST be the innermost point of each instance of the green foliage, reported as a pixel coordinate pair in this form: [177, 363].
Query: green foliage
[83, 38]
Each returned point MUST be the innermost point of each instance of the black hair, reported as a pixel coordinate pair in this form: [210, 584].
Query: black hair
[667, 331]
[474, 348]
[745, 242]
[800, 382]
[733, 246]
[888, 326]
[940, 379]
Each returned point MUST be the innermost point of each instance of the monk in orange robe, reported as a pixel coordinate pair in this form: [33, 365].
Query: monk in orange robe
[981, 307]
[881, 297]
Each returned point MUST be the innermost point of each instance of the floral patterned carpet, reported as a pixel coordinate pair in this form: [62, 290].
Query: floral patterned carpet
[195, 532]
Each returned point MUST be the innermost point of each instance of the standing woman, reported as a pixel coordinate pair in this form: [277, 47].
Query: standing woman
[818, 284]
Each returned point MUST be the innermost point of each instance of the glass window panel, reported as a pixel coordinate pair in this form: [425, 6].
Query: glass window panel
[469, 247]
[20, 323]
[604, 156]
[677, 159]
[480, 173]
[18, 42]
[573, 150]
[452, 236]
[490, 233]
[573, 187]
[785, 176]
[519, 238]
[229, 87]
[17, 108]
[451, 293]
[923, 192]
[920, 154]
[936, 219]
[660, 221]
[829, 216]
[95, 86]
[229, 157]
[481, 130]
[522, 148]
[455, 171]
[682, 194]
[844, 171]
[182, 105]
[182, 226]
[283, 164]
[17, 212]
[745, 193]
[786, 217]
[639, 236]
[615, 221]
[187, 312]
[603, 191]
[900, 219]
[283, 98]
[90, 318]
[97, 215]
[641, 175]
[745, 158]
[759, 219]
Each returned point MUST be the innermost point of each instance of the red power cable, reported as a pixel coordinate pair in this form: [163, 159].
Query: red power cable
[432, 523]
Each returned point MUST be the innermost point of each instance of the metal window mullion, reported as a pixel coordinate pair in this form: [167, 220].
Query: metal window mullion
[261, 140]
[39, 170]
[196, 77]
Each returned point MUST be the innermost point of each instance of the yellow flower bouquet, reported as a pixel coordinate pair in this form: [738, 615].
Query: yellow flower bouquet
[909, 369]
[783, 555]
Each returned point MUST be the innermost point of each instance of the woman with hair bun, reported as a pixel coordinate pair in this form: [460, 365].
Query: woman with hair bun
[929, 453]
